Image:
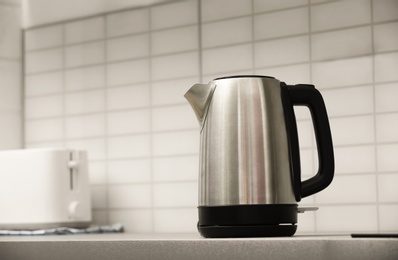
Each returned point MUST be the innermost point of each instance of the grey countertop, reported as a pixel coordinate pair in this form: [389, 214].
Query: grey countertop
[192, 246]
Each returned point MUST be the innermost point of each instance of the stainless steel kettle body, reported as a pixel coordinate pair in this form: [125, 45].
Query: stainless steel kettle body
[250, 180]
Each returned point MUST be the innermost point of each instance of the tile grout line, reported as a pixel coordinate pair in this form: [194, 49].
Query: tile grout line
[106, 134]
[375, 115]
[200, 47]
[313, 148]
[151, 130]
[23, 92]
[63, 93]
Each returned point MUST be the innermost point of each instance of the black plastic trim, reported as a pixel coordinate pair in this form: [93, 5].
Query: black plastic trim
[271, 220]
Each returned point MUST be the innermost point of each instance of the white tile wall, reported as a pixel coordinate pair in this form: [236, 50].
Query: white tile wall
[47, 37]
[138, 21]
[130, 47]
[117, 91]
[84, 30]
[45, 83]
[295, 21]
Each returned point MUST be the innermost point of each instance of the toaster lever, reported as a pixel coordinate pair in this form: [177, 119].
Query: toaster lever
[73, 164]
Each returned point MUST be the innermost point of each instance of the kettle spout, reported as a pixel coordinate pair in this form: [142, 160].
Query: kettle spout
[199, 97]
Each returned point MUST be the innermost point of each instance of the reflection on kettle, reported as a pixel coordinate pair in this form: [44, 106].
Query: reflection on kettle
[250, 179]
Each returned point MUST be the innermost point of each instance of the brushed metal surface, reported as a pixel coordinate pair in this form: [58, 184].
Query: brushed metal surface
[244, 156]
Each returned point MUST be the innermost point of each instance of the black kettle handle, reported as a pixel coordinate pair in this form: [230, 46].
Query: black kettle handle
[307, 95]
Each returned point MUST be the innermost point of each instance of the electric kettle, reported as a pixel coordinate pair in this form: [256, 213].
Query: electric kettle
[249, 172]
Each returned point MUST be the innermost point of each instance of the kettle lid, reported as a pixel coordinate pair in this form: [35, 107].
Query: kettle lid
[244, 76]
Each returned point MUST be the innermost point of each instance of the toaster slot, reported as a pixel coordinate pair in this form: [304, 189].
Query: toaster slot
[73, 170]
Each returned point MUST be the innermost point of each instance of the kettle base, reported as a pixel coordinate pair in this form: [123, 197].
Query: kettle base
[252, 220]
[247, 231]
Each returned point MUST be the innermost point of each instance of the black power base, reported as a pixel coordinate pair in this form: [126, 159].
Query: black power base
[274, 220]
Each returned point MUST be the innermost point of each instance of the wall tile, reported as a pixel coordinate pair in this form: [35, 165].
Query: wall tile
[387, 157]
[385, 10]
[352, 130]
[85, 126]
[387, 187]
[302, 112]
[129, 72]
[341, 190]
[137, 21]
[350, 13]
[84, 30]
[305, 133]
[220, 33]
[385, 37]
[343, 219]
[135, 221]
[210, 77]
[46, 37]
[281, 51]
[169, 92]
[215, 9]
[44, 144]
[289, 74]
[85, 78]
[175, 143]
[306, 223]
[11, 131]
[136, 96]
[46, 106]
[169, 169]
[385, 97]
[339, 102]
[98, 197]
[227, 59]
[129, 196]
[341, 44]
[10, 72]
[135, 46]
[173, 118]
[97, 173]
[175, 194]
[175, 220]
[85, 102]
[45, 60]
[96, 148]
[84, 54]
[356, 159]
[388, 215]
[306, 161]
[174, 14]
[10, 24]
[338, 73]
[129, 146]
[129, 171]
[44, 130]
[387, 128]
[386, 67]
[42, 84]
[175, 40]
[99, 216]
[270, 5]
[10, 87]
[175, 66]
[279, 24]
[129, 122]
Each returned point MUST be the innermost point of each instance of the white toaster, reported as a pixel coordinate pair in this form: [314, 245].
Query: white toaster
[44, 188]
